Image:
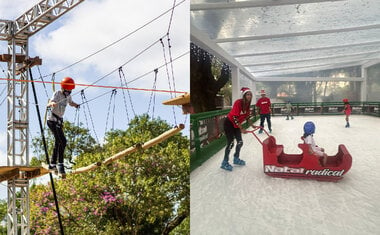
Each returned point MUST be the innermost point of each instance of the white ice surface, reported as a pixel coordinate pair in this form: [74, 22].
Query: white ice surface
[246, 201]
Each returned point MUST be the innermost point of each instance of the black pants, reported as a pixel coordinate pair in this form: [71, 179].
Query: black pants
[60, 141]
[231, 133]
[262, 119]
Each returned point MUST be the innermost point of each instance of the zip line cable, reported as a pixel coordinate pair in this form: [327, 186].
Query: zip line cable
[145, 74]
[100, 86]
[46, 152]
[134, 57]
[103, 86]
[120, 39]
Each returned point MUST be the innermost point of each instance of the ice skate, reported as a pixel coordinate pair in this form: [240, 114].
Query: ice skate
[238, 161]
[226, 166]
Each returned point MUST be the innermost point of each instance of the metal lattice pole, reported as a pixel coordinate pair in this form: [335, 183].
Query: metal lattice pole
[18, 138]
[17, 34]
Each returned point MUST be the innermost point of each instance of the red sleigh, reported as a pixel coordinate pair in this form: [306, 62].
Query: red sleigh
[304, 165]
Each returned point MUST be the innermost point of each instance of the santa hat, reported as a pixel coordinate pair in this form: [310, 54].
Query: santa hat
[244, 90]
[262, 92]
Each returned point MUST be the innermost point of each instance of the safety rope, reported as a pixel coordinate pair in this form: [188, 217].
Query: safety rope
[171, 62]
[46, 153]
[168, 76]
[89, 114]
[113, 95]
[171, 16]
[76, 116]
[153, 95]
[124, 99]
[122, 77]
[53, 81]
[43, 82]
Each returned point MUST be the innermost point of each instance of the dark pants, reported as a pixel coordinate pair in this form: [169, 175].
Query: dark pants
[231, 133]
[60, 141]
[262, 119]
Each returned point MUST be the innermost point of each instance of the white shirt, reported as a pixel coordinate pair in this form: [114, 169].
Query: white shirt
[310, 141]
[62, 101]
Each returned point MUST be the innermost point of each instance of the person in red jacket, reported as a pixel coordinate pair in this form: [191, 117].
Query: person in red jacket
[263, 104]
[347, 111]
[239, 113]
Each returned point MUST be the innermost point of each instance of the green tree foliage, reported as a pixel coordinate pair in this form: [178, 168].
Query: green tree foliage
[207, 76]
[146, 192]
[3, 214]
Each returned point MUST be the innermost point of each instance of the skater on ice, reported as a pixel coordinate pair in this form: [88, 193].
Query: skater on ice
[263, 104]
[347, 111]
[233, 128]
[288, 108]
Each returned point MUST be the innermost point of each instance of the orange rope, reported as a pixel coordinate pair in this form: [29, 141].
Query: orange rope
[101, 86]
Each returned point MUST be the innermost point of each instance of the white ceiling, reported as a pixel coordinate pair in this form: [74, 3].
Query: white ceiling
[277, 37]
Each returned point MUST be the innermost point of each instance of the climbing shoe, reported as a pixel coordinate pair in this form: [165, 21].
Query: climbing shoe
[61, 170]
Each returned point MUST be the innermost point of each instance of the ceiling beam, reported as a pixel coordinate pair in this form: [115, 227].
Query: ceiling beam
[346, 56]
[334, 64]
[307, 49]
[370, 63]
[308, 33]
[314, 67]
[309, 79]
[249, 4]
[202, 40]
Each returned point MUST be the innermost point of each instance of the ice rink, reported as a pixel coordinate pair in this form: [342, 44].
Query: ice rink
[246, 201]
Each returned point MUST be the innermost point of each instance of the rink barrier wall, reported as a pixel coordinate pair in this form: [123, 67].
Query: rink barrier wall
[207, 134]
[327, 108]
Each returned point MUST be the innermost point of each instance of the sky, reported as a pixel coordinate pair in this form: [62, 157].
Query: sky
[90, 27]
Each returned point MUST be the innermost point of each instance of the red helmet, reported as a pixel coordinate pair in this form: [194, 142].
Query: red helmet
[345, 100]
[68, 83]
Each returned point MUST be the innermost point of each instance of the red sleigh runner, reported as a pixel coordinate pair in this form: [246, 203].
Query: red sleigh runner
[305, 165]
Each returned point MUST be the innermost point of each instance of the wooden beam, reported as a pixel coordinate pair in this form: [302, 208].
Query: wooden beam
[7, 173]
[8, 58]
[130, 150]
[180, 100]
